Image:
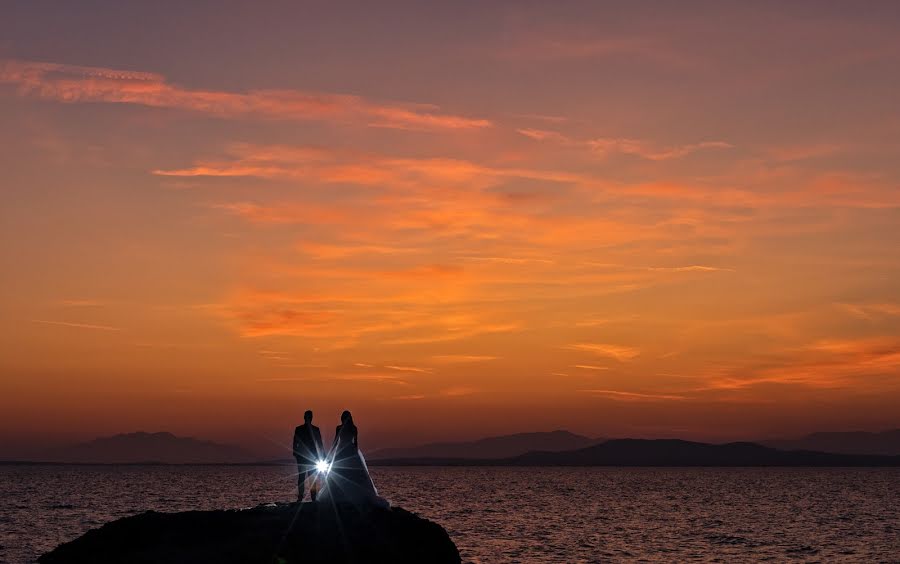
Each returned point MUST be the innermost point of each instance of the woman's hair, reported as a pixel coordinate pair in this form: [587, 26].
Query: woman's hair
[345, 417]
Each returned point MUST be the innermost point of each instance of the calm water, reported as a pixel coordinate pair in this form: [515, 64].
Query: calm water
[513, 515]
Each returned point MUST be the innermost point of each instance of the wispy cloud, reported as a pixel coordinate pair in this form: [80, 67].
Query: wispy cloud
[461, 358]
[544, 135]
[458, 391]
[610, 146]
[618, 352]
[634, 396]
[543, 47]
[77, 325]
[72, 84]
[543, 117]
[792, 153]
[590, 367]
[826, 364]
[872, 311]
[80, 302]
[347, 167]
[455, 334]
[690, 268]
[508, 260]
[409, 369]
[333, 251]
[284, 379]
[595, 322]
[372, 377]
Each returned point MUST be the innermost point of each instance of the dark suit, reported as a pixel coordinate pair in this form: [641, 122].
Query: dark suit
[307, 450]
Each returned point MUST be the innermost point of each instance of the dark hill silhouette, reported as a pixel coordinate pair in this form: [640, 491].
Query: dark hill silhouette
[855, 442]
[490, 447]
[663, 452]
[130, 448]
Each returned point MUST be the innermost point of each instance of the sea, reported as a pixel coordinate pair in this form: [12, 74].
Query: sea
[506, 515]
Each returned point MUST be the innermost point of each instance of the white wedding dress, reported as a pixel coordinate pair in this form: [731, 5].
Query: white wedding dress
[347, 479]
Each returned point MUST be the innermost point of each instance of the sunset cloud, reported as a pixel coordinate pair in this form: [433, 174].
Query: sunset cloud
[409, 369]
[455, 334]
[691, 268]
[78, 84]
[77, 325]
[458, 391]
[340, 251]
[617, 352]
[872, 311]
[547, 48]
[81, 303]
[378, 378]
[337, 166]
[634, 396]
[607, 146]
[461, 358]
[824, 364]
[544, 135]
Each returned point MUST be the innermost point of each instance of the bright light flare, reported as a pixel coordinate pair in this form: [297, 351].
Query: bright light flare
[322, 466]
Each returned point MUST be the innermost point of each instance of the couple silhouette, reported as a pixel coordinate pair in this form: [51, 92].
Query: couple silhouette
[341, 474]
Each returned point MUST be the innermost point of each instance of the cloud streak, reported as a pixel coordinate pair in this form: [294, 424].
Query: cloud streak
[605, 147]
[409, 369]
[634, 396]
[610, 146]
[77, 325]
[333, 166]
[79, 84]
[617, 352]
[461, 358]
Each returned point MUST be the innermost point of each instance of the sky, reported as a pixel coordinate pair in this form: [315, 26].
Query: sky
[456, 219]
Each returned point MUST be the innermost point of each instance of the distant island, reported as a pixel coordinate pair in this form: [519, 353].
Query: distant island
[854, 442]
[552, 448]
[662, 452]
[142, 447]
[562, 448]
[491, 447]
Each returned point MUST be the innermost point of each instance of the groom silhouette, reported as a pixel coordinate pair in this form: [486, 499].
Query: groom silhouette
[307, 450]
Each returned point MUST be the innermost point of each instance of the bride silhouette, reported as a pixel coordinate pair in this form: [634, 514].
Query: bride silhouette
[348, 478]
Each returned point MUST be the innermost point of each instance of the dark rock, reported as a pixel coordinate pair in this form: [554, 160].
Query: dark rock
[271, 534]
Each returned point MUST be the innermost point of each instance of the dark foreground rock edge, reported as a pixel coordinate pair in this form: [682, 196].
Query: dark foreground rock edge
[271, 534]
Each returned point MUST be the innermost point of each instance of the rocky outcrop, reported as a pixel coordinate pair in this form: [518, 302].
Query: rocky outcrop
[270, 534]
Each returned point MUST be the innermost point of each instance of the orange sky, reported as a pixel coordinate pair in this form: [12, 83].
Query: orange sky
[453, 219]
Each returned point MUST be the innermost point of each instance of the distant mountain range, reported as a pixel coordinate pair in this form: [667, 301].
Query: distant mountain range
[886, 443]
[661, 452]
[491, 447]
[856, 442]
[140, 447]
[521, 449]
